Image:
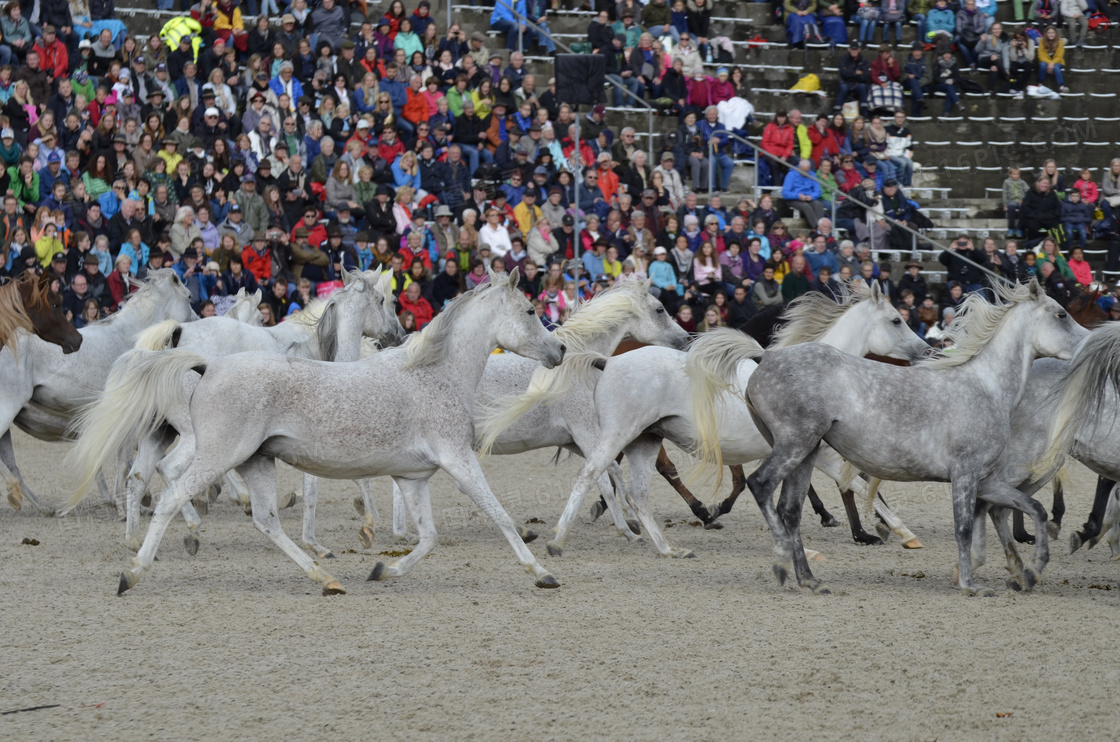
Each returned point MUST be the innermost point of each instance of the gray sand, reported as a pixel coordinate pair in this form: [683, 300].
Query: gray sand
[236, 643]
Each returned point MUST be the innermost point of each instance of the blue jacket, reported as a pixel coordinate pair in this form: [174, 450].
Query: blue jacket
[662, 275]
[816, 260]
[277, 87]
[717, 130]
[401, 178]
[398, 92]
[941, 20]
[1076, 213]
[502, 13]
[796, 185]
[110, 204]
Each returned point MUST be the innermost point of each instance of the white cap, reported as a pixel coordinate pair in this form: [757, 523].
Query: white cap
[362, 124]
[124, 74]
[660, 251]
[211, 111]
[7, 134]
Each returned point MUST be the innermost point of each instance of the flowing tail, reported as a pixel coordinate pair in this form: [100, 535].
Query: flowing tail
[1094, 370]
[712, 367]
[545, 386]
[142, 386]
[160, 336]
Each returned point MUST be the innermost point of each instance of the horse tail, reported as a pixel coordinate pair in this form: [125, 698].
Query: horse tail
[1081, 393]
[545, 387]
[142, 387]
[712, 367]
[160, 336]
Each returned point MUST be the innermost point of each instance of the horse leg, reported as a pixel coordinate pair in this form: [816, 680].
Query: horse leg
[795, 486]
[1091, 531]
[895, 524]
[416, 496]
[781, 462]
[367, 509]
[818, 507]
[964, 522]
[190, 515]
[1058, 509]
[1111, 523]
[238, 492]
[259, 473]
[601, 505]
[9, 472]
[148, 454]
[194, 480]
[738, 484]
[594, 465]
[463, 467]
[1015, 566]
[668, 472]
[1020, 530]
[400, 516]
[1002, 494]
[616, 494]
[858, 534]
[310, 503]
[978, 554]
[643, 454]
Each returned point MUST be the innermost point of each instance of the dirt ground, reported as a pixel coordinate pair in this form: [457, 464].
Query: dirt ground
[236, 643]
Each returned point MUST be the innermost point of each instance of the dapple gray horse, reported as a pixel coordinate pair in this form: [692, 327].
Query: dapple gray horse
[946, 419]
[333, 420]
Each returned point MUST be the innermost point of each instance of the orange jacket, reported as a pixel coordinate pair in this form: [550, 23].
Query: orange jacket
[421, 309]
[416, 109]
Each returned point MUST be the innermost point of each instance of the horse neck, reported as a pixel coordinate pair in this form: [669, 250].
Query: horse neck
[347, 335]
[1004, 363]
[848, 334]
[472, 342]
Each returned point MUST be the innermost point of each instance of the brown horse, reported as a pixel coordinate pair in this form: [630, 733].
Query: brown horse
[27, 303]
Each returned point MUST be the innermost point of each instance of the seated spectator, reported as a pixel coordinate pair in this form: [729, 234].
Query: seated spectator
[1052, 58]
[971, 25]
[1073, 13]
[1076, 218]
[917, 73]
[941, 24]
[779, 138]
[855, 74]
[801, 22]
[900, 152]
[993, 56]
[1014, 191]
[913, 282]
[1048, 252]
[1040, 212]
[802, 193]
[964, 263]
[868, 15]
[892, 13]
[946, 75]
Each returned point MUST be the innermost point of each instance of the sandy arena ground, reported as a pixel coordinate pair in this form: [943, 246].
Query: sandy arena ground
[236, 643]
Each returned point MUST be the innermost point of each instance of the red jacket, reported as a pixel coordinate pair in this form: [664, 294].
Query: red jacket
[53, 59]
[415, 109]
[823, 144]
[117, 288]
[421, 310]
[890, 70]
[778, 140]
[260, 265]
[390, 152]
[408, 256]
[316, 233]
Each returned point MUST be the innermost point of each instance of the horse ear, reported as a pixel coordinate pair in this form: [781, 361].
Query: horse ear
[347, 278]
[514, 278]
[1036, 290]
[492, 274]
[876, 292]
[241, 293]
[356, 279]
[255, 299]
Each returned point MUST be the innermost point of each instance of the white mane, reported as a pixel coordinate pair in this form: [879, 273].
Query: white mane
[811, 315]
[976, 322]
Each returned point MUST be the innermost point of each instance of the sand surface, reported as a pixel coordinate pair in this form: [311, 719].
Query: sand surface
[236, 643]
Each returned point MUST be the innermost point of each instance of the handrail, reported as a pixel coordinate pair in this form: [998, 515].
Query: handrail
[918, 235]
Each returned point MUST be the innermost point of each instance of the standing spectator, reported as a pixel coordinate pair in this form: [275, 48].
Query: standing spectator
[1040, 212]
[1014, 191]
[963, 262]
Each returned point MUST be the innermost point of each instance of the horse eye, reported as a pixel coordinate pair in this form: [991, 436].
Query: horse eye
[661, 310]
[531, 311]
[1062, 315]
[896, 321]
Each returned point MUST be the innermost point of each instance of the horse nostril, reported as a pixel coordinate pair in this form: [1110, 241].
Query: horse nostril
[563, 350]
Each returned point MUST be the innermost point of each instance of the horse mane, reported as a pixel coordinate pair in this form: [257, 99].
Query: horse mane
[432, 344]
[612, 307]
[310, 315]
[975, 323]
[13, 315]
[808, 317]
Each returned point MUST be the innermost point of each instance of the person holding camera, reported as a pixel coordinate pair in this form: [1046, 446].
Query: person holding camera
[963, 261]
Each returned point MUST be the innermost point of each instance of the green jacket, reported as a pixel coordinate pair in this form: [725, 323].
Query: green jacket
[24, 193]
[253, 210]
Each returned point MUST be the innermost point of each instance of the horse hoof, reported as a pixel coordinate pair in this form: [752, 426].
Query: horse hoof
[1053, 529]
[1075, 542]
[365, 535]
[634, 526]
[1030, 579]
[814, 556]
[829, 522]
[334, 587]
[360, 507]
[547, 582]
[781, 574]
[713, 525]
[1115, 556]
[15, 499]
[146, 500]
[378, 573]
[597, 510]
[288, 501]
[912, 544]
[201, 505]
[328, 555]
[1014, 584]
[555, 549]
[866, 540]
[528, 536]
[128, 581]
[986, 592]
[191, 542]
[820, 589]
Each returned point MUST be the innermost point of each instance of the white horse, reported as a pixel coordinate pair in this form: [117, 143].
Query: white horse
[331, 330]
[245, 308]
[44, 388]
[647, 394]
[945, 419]
[561, 413]
[330, 419]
